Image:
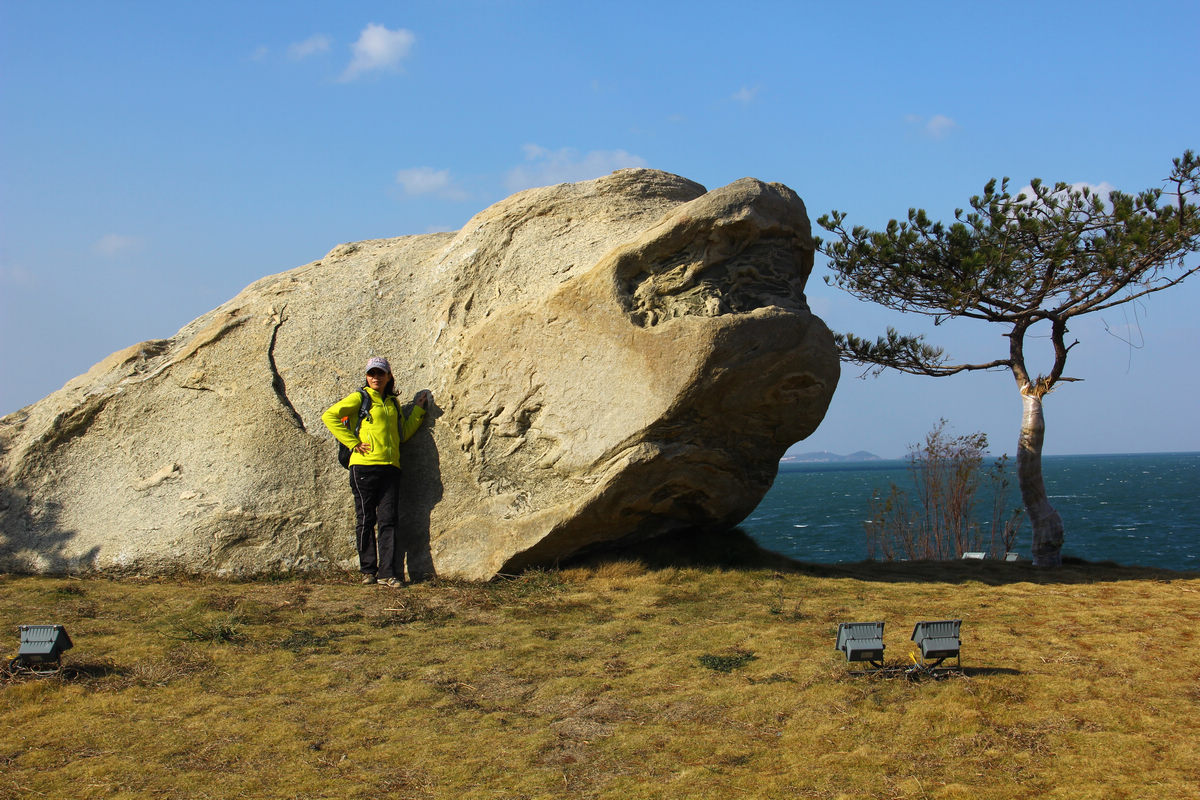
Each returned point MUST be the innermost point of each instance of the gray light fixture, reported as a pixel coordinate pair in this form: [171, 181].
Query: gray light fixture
[938, 640]
[42, 647]
[861, 641]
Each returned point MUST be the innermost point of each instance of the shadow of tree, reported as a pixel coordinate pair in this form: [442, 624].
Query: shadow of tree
[736, 550]
[981, 672]
[37, 545]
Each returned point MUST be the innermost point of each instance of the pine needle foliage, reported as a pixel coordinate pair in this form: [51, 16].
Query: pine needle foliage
[1051, 255]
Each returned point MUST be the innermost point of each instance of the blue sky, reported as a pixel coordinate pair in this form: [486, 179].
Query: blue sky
[155, 158]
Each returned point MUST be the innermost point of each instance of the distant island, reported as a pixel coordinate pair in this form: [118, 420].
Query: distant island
[826, 457]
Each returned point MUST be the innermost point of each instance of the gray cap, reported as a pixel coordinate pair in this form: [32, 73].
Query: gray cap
[379, 362]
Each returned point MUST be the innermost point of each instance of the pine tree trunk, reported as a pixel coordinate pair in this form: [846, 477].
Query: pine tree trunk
[1047, 524]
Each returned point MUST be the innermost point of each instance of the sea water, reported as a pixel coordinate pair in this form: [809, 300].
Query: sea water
[1132, 509]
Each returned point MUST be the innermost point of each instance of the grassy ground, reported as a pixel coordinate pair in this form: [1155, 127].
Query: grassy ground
[608, 680]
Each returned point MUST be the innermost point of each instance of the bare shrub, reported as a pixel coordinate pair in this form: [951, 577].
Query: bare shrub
[941, 520]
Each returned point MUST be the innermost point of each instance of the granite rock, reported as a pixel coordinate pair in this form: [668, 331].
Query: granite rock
[610, 360]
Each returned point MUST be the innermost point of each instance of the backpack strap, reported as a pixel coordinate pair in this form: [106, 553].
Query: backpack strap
[364, 409]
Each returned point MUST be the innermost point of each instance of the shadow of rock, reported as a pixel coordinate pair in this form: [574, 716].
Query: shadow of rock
[733, 549]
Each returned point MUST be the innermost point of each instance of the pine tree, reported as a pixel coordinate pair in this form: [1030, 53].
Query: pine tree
[1039, 258]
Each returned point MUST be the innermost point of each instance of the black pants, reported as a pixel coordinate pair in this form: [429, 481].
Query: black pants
[376, 492]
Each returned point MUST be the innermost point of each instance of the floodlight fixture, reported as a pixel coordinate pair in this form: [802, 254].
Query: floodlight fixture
[42, 647]
[861, 641]
[938, 640]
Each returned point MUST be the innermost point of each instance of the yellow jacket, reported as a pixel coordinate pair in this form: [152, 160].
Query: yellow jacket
[384, 429]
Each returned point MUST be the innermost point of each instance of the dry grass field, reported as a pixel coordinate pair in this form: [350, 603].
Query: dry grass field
[627, 679]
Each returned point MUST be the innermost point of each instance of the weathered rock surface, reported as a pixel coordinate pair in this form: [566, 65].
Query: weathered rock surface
[616, 358]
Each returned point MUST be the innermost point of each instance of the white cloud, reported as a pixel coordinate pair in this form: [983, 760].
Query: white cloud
[746, 95]
[378, 48]
[313, 45]
[1103, 189]
[114, 244]
[17, 277]
[535, 151]
[427, 180]
[260, 53]
[939, 126]
[544, 167]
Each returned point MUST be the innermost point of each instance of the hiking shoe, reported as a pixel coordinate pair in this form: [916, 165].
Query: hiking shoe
[368, 580]
[394, 583]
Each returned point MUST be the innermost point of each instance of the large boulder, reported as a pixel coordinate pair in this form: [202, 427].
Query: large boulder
[610, 360]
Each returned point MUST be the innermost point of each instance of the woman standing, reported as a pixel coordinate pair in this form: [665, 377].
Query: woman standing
[375, 466]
